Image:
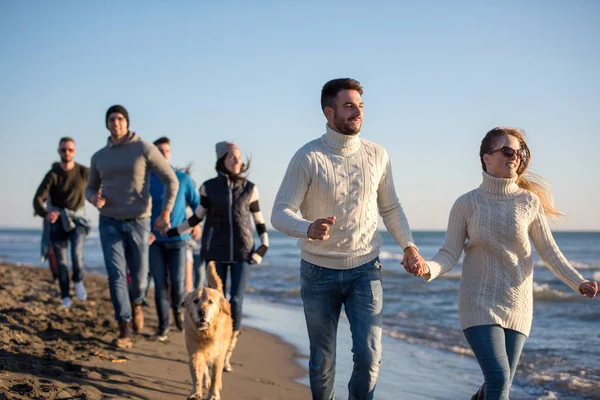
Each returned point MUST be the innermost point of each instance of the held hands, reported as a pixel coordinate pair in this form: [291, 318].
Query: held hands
[320, 229]
[413, 263]
[589, 289]
[52, 216]
[163, 222]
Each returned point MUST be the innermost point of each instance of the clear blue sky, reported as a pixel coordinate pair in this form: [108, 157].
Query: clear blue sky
[437, 76]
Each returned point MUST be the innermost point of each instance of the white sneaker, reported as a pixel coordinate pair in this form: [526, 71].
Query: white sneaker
[80, 291]
[66, 302]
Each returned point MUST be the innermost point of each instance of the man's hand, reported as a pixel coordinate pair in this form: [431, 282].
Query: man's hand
[196, 232]
[319, 230]
[589, 289]
[413, 262]
[97, 200]
[152, 238]
[163, 222]
[52, 216]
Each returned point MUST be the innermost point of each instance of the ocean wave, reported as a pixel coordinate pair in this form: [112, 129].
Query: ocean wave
[577, 265]
[388, 255]
[543, 292]
[436, 344]
[580, 384]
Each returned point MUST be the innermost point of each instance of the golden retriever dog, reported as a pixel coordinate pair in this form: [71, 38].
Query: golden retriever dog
[208, 335]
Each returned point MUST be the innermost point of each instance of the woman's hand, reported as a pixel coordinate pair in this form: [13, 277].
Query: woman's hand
[589, 289]
[416, 265]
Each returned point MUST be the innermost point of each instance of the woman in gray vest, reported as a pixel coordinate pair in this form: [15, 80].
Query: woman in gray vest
[227, 202]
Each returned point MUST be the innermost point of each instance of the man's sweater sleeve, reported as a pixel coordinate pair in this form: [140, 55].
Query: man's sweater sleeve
[390, 209]
[94, 182]
[165, 173]
[294, 186]
[42, 194]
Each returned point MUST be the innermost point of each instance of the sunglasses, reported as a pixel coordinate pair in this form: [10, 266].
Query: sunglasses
[508, 152]
[66, 150]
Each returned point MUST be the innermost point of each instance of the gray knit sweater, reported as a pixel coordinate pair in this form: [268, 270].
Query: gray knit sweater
[122, 172]
[349, 178]
[494, 224]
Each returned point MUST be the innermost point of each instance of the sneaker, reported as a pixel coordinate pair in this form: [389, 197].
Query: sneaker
[137, 317]
[178, 315]
[66, 302]
[161, 335]
[80, 291]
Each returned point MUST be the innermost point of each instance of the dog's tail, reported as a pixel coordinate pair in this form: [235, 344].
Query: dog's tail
[214, 282]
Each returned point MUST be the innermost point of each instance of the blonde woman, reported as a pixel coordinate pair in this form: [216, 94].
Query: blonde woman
[494, 224]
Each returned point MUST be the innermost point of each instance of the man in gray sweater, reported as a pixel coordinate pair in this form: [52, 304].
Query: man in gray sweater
[118, 185]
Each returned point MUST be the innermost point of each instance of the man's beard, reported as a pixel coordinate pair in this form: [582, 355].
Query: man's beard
[346, 127]
[66, 159]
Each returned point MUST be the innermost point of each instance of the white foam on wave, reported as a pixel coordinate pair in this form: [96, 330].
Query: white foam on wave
[545, 292]
[388, 255]
[579, 384]
[575, 264]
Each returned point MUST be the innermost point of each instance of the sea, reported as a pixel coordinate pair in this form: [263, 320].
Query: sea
[425, 353]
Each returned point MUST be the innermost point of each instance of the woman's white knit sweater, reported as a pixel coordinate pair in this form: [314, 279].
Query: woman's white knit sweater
[349, 178]
[497, 220]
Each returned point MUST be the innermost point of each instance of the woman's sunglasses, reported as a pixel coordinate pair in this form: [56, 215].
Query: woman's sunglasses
[508, 152]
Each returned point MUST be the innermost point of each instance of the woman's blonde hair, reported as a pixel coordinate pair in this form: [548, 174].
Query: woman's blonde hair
[526, 180]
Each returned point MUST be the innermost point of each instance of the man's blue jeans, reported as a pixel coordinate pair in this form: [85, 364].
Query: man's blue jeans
[125, 248]
[167, 263]
[60, 244]
[359, 290]
[239, 279]
[498, 351]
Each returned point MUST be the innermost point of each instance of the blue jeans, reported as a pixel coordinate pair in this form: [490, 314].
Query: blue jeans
[199, 270]
[498, 351]
[125, 248]
[167, 263]
[239, 279]
[60, 244]
[359, 290]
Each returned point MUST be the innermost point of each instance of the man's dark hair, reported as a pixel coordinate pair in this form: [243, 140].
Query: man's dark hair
[333, 87]
[65, 139]
[162, 140]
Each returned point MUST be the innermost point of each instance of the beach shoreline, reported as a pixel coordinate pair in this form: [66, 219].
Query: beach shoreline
[48, 352]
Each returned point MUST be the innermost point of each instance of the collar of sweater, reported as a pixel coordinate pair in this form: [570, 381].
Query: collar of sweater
[340, 144]
[494, 185]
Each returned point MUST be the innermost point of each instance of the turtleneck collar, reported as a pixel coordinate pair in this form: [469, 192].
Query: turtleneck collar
[340, 144]
[495, 185]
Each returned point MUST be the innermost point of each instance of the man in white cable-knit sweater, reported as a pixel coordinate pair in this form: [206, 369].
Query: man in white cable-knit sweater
[341, 183]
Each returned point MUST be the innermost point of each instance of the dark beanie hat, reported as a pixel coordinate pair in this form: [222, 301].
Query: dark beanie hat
[117, 109]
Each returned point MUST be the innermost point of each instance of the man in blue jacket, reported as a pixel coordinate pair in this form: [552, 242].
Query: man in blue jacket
[168, 254]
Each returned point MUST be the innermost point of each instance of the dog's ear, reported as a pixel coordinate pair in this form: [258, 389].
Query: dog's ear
[187, 299]
[225, 306]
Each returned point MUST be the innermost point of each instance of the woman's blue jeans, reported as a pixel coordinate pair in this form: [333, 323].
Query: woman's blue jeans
[498, 351]
[239, 279]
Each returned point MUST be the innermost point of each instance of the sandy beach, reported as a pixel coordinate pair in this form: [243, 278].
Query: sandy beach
[47, 352]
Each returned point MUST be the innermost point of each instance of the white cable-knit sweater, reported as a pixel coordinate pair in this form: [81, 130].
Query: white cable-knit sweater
[497, 221]
[349, 178]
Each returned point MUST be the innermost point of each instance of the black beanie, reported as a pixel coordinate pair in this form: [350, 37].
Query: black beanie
[118, 109]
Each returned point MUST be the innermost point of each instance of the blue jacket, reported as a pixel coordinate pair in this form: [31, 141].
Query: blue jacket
[187, 195]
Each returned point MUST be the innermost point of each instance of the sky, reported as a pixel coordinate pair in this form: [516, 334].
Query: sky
[437, 75]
